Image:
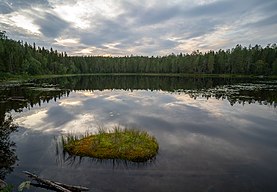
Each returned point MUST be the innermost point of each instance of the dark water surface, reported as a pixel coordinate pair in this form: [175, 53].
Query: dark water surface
[214, 134]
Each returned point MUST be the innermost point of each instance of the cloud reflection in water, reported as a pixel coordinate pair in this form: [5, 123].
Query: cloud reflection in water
[203, 138]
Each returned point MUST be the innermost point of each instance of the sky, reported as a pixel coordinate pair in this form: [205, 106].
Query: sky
[144, 27]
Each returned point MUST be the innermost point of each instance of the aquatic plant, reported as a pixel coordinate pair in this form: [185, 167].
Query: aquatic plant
[8, 188]
[121, 143]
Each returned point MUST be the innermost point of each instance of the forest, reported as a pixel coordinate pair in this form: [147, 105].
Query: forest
[22, 58]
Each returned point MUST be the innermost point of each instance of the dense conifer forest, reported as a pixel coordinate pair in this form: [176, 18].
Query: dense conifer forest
[21, 58]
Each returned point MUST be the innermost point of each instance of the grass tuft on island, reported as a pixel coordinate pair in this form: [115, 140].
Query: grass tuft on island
[121, 143]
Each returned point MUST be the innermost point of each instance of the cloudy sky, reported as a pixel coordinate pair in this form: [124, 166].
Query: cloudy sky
[139, 27]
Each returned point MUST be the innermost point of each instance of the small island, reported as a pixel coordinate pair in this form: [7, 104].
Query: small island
[124, 144]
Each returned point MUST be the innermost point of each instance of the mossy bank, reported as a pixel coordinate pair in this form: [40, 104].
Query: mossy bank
[125, 144]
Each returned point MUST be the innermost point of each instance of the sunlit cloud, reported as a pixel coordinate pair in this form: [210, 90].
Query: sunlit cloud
[67, 42]
[85, 51]
[75, 14]
[151, 27]
[23, 22]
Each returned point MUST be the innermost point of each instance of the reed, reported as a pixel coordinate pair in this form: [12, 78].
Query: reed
[121, 143]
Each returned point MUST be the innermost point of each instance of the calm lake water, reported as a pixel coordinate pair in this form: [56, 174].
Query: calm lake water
[214, 134]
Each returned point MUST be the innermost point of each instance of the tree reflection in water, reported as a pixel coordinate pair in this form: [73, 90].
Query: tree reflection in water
[235, 90]
[16, 97]
[26, 95]
[7, 147]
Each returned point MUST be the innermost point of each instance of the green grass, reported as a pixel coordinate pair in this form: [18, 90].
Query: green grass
[125, 144]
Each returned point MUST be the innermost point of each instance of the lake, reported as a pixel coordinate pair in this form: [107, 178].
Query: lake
[214, 134]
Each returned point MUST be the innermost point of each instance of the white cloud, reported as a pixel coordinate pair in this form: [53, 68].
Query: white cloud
[74, 13]
[25, 22]
[67, 42]
[140, 27]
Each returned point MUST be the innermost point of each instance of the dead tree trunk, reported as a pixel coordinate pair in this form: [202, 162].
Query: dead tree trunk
[56, 185]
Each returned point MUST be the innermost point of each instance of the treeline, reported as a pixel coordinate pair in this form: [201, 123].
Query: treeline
[17, 57]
